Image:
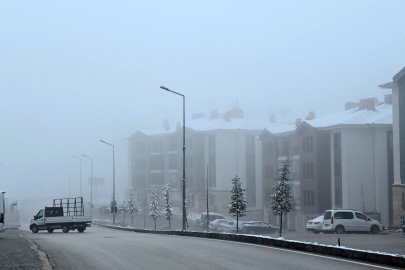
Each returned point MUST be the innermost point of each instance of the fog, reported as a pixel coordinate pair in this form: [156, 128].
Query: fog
[72, 73]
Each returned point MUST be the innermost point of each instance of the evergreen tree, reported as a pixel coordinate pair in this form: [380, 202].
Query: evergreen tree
[238, 201]
[132, 208]
[168, 204]
[154, 205]
[124, 208]
[282, 198]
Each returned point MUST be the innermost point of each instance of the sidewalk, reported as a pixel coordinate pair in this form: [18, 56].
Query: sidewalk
[15, 252]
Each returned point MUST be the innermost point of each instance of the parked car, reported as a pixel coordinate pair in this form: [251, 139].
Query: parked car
[230, 226]
[348, 220]
[315, 225]
[258, 227]
[212, 217]
[213, 225]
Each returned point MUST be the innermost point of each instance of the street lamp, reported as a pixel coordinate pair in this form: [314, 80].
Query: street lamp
[80, 175]
[114, 203]
[91, 185]
[68, 159]
[184, 154]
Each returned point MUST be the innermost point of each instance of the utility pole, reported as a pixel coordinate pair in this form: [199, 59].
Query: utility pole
[80, 175]
[91, 185]
[113, 203]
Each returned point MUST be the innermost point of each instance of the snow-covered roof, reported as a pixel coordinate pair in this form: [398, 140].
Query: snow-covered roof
[204, 124]
[381, 115]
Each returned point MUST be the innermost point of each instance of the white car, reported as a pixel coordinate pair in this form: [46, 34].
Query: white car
[347, 220]
[315, 225]
[230, 226]
[213, 225]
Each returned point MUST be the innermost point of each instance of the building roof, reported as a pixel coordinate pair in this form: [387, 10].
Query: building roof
[382, 115]
[204, 124]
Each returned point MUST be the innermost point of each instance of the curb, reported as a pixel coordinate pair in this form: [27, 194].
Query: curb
[347, 253]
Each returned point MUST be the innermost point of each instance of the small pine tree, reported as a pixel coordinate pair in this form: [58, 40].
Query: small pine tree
[238, 202]
[282, 198]
[124, 208]
[154, 205]
[168, 204]
[132, 207]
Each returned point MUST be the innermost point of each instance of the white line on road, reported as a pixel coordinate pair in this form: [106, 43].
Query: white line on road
[294, 251]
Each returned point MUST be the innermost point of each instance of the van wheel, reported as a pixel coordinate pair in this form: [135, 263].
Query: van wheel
[65, 229]
[374, 229]
[34, 229]
[80, 230]
[340, 229]
[50, 230]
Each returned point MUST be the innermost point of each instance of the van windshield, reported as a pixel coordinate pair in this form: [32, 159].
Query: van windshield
[327, 215]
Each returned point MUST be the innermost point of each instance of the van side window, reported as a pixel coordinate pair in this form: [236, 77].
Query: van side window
[344, 215]
[361, 216]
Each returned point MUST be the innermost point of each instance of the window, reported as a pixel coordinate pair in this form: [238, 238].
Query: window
[172, 143]
[361, 216]
[304, 149]
[250, 140]
[343, 215]
[312, 199]
[338, 169]
[268, 194]
[337, 140]
[173, 162]
[305, 198]
[286, 148]
[157, 162]
[304, 171]
[268, 149]
[212, 201]
[312, 171]
[158, 178]
[211, 141]
[213, 181]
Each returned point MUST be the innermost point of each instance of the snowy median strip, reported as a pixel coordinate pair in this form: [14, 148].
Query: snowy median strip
[338, 251]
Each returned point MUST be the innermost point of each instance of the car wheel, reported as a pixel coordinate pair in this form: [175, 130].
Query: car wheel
[340, 229]
[34, 229]
[50, 230]
[65, 229]
[374, 229]
[316, 232]
[252, 232]
[80, 229]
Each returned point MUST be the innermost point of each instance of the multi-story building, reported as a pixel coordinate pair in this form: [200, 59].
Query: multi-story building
[342, 160]
[226, 147]
[397, 144]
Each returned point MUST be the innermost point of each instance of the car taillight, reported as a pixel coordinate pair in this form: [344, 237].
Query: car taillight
[331, 220]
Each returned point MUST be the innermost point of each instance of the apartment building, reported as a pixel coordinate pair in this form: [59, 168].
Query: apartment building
[342, 160]
[226, 146]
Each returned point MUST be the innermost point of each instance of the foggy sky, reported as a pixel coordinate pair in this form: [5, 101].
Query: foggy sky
[72, 73]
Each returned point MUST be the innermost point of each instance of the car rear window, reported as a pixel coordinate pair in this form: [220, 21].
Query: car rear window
[328, 215]
[343, 215]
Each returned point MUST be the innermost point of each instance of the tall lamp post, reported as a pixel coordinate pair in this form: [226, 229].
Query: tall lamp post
[91, 185]
[184, 154]
[80, 174]
[113, 203]
[68, 159]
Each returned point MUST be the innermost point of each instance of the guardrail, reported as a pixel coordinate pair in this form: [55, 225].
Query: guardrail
[337, 251]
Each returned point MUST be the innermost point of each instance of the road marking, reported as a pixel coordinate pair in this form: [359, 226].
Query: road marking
[46, 265]
[295, 251]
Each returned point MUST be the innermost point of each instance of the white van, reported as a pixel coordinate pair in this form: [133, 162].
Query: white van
[347, 220]
[2, 211]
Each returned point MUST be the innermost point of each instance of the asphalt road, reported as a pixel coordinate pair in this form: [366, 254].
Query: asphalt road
[101, 248]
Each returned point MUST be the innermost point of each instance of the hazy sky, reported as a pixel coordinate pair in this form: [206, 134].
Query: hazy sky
[75, 72]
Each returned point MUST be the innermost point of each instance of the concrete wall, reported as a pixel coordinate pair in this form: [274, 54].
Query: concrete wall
[364, 170]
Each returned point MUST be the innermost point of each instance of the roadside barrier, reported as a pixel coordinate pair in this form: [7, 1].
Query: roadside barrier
[337, 251]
